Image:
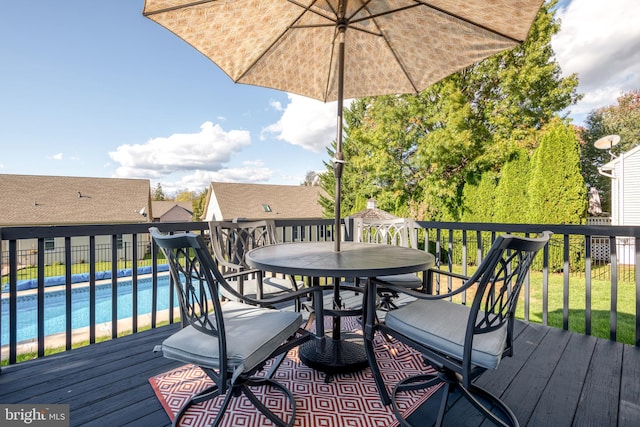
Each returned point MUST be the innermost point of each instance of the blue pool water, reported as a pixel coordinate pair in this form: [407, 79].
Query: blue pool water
[54, 307]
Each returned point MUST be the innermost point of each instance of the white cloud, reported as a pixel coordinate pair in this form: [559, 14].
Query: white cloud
[57, 156]
[206, 150]
[305, 122]
[601, 42]
[252, 172]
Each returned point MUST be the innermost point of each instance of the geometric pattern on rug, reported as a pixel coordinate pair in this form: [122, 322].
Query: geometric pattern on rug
[347, 400]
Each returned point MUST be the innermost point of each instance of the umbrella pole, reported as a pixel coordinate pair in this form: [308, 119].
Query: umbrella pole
[338, 161]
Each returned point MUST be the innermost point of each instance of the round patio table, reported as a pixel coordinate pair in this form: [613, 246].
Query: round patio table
[342, 352]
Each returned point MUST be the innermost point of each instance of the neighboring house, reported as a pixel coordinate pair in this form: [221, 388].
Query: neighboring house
[170, 211]
[228, 201]
[36, 200]
[235, 201]
[624, 172]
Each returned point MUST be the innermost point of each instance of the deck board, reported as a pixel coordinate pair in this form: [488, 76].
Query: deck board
[630, 388]
[601, 392]
[561, 395]
[555, 378]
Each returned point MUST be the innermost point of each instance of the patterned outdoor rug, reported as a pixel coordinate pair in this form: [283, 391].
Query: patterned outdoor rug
[347, 400]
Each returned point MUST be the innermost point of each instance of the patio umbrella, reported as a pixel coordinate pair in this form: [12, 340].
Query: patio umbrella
[340, 49]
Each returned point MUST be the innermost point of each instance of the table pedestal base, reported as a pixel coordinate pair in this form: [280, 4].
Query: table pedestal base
[332, 356]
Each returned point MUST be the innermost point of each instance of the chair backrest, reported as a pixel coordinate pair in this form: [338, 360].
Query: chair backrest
[230, 241]
[396, 231]
[499, 279]
[195, 279]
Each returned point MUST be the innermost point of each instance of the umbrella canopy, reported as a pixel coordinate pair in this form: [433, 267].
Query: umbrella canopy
[340, 49]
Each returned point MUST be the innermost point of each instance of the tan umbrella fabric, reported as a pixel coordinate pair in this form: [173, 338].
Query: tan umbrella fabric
[340, 49]
[391, 46]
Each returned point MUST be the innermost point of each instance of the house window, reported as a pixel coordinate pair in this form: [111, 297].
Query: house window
[266, 207]
[49, 244]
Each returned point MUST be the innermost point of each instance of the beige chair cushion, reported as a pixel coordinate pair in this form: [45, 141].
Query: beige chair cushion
[442, 325]
[407, 280]
[252, 334]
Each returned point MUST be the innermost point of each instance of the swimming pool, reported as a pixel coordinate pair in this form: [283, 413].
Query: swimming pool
[54, 307]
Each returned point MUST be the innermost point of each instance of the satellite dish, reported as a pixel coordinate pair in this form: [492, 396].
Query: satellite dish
[606, 142]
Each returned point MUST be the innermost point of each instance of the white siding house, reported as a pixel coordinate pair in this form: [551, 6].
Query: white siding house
[624, 172]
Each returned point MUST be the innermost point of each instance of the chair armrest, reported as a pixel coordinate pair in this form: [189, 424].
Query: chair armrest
[241, 273]
[422, 295]
[266, 302]
[433, 271]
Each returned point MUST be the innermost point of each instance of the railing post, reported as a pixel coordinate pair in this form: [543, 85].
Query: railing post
[613, 314]
[565, 283]
[587, 275]
[637, 280]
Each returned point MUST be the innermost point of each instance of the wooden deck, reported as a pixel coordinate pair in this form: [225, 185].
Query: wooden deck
[555, 378]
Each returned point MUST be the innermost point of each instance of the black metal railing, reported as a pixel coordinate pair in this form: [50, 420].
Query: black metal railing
[89, 269]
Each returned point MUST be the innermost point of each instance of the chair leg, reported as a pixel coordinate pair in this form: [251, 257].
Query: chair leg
[475, 395]
[204, 395]
[262, 408]
[370, 328]
[473, 391]
[418, 382]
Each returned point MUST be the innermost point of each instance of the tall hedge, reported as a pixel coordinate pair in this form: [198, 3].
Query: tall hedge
[512, 202]
[479, 199]
[557, 192]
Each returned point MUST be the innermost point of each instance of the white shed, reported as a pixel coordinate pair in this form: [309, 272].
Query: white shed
[624, 172]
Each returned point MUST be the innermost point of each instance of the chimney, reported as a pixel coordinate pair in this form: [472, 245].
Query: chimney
[372, 204]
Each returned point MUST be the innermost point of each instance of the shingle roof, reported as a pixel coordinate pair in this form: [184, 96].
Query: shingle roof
[170, 211]
[161, 207]
[53, 200]
[237, 200]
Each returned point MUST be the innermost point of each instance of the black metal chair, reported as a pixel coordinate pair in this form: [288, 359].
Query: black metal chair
[230, 241]
[460, 342]
[230, 341]
[394, 231]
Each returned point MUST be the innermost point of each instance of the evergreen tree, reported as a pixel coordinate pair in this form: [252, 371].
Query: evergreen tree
[480, 200]
[557, 193]
[414, 154]
[158, 194]
[511, 200]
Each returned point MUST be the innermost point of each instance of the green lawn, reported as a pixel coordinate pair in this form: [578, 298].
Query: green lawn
[58, 269]
[600, 304]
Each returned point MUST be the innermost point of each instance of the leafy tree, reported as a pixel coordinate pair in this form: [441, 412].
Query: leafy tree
[518, 91]
[158, 194]
[592, 158]
[311, 179]
[622, 119]
[557, 194]
[198, 204]
[414, 154]
[184, 196]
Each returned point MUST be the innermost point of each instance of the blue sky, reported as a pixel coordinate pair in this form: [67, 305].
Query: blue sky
[96, 89]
